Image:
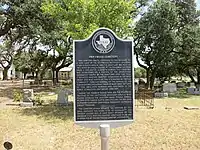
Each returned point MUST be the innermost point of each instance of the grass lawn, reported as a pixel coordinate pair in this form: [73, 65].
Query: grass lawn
[52, 128]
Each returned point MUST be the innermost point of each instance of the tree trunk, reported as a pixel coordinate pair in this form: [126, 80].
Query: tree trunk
[148, 78]
[5, 74]
[33, 74]
[57, 80]
[41, 75]
[53, 76]
[191, 77]
[25, 75]
[198, 76]
[152, 79]
[36, 74]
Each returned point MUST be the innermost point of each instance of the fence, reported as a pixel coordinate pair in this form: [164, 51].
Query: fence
[145, 98]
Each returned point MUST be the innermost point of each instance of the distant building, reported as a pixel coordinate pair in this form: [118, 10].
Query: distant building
[66, 73]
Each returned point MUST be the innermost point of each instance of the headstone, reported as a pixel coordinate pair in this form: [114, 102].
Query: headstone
[160, 94]
[62, 98]
[181, 84]
[169, 87]
[70, 92]
[51, 93]
[196, 91]
[27, 98]
[193, 91]
[198, 86]
[136, 87]
[190, 90]
[27, 95]
[141, 84]
[192, 84]
[104, 81]
[187, 84]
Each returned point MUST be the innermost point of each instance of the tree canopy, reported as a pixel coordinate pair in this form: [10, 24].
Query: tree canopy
[166, 35]
[81, 18]
[156, 38]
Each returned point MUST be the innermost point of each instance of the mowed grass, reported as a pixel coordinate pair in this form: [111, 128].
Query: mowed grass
[53, 128]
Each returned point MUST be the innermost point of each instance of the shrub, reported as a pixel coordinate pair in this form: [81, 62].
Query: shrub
[38, 100]
[181, 93]
[17, 95]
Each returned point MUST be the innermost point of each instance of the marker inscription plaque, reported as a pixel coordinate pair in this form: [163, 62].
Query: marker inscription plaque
[103, 84]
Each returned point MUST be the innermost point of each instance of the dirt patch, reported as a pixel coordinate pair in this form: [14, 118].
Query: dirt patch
[5, 99]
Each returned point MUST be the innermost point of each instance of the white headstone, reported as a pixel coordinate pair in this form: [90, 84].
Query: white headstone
[169, 87]
[194, 91]
[198, 86]
[181, 84]
[160, 94]
[62, 98]
[27, 98]
[27, 95]
[192, 84]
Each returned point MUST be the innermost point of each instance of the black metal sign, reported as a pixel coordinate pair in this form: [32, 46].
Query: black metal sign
[103, 72]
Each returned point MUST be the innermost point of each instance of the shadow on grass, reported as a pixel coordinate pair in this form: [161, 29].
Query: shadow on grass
[49, 112]
[181, 96]
[9, 91]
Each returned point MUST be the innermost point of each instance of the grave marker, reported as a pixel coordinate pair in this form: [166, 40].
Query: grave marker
[169, 87]
[181, 84]
[62, 98]
[193, 91]
[27, 95]
[192, 84]
[27, 98]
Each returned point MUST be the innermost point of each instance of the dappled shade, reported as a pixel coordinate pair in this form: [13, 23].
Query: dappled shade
[49, 112]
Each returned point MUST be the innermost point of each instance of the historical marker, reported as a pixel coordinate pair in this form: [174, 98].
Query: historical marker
[103, 83]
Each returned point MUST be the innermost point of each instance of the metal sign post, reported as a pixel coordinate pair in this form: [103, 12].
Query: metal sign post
[8, 145]
[105, 134]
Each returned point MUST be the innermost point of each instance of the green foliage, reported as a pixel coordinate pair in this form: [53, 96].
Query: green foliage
[24, 24]
[67, 84]
[22, 62]
[81, 18]
[140, 72]
[167, 39]
[25, 17]
[6, 55]
[156, 38]
[38, 100]
[17, 95]
[34, 61]
[78, 19]
[189, 32]
[181, 93]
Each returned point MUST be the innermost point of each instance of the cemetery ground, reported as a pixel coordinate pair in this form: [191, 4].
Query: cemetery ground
[167, 126]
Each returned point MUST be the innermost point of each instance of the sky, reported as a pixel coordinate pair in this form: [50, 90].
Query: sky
[198, 4]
